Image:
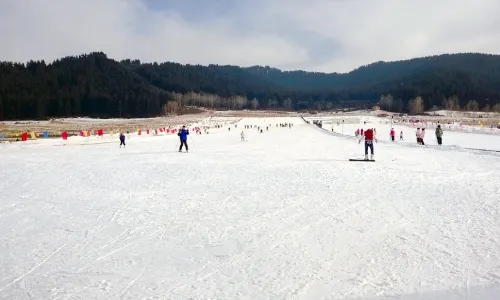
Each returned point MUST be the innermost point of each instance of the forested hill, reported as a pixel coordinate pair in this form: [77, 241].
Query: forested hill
[94, 85]
[87, 85]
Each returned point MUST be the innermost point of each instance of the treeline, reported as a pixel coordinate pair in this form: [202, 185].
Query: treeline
[87, 85]
[417, 105]
[94, 85]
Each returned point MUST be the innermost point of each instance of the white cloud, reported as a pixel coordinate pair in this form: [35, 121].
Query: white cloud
[323, 35]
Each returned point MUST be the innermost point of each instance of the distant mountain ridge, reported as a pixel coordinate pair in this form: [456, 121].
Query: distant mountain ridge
[95, 85]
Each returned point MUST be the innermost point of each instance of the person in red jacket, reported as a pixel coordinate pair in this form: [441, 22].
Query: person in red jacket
[393, 134]
[369, 137]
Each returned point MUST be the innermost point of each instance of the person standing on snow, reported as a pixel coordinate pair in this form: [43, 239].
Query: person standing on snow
[418, 135]
[393, 134]
[369, 137]
[401, 135]
[183, 133]
[242, 134]
[122, 140]
[422, 135]
[439, 135]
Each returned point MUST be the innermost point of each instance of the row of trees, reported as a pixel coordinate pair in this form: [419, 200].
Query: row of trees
[214, 101]
[94, 85]
[417, 105]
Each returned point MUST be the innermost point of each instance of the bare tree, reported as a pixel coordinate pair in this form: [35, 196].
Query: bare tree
[287, 103]
[254, 103]
[272, 103]
[416, 105]
[177, 98]
[386, 102]
[171, 108]
[472, 105]
[452, 103]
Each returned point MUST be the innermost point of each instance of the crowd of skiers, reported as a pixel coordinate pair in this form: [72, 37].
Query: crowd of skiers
[420, 134]
[183, 133]
[369, 136]
[259, 129]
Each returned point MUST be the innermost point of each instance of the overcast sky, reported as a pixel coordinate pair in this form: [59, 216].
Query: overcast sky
[318, 35]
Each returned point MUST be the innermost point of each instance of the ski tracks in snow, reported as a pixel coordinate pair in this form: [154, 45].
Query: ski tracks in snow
[252, 220]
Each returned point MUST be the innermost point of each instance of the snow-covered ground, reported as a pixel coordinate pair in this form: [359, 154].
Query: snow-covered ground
[473, 140]
[283, 215]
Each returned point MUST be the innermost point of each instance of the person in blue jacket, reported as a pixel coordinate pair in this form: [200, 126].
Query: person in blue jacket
[183, 133]
[122, 140]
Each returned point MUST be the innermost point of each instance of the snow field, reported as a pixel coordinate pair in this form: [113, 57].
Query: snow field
[282, 215]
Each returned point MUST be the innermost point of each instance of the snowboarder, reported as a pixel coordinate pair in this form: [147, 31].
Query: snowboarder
[122, 140]
[439, 135]
[242, 134]
[369, 137]
[183, 133]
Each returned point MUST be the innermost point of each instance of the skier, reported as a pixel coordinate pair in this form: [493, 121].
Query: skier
[183, 133]
[393, 134]
[422, 135]
[369, 137]
[122, 140]
[439, 135]
[242, 136]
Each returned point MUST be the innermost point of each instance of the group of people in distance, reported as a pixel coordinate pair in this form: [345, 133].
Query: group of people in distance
[183, 133]
[369, 137]
[420, 134]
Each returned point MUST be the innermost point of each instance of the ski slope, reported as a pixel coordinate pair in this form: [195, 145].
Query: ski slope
[283, 215]
[454, 139]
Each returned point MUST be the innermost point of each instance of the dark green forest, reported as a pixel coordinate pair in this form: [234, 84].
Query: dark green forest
[97, 86]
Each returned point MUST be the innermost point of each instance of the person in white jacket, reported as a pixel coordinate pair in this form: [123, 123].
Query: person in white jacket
[242, 134]
[422, 135]
[418, 135]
